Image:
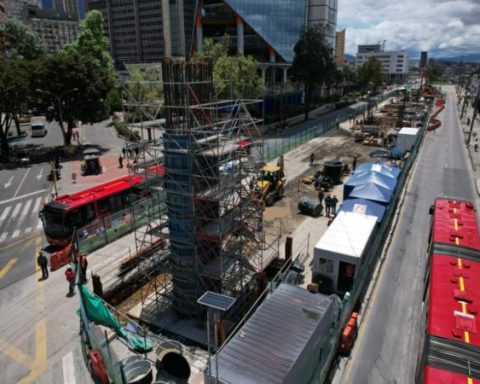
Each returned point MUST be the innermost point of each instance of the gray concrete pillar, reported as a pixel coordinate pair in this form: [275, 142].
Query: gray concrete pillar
[285, 77]
[263, 75]
[167, 31]
[240, 36]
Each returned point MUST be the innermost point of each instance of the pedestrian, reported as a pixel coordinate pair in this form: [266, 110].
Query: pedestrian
[312, 158]
[42, 262]
[328, 203]
[129, 150]
[321, 195]
[137, 152]
[70, 276]
[83, 269]
[120, 161]
[124, 151]
[354, 163]
[333, 206]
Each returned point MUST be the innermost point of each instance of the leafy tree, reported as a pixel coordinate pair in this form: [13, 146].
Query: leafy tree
[92, 43]
[233, 76]
[113, 101]
[17, 41]
[14, 91]
[435, 72]
[370, 75]
[70, 88]
[313, 62]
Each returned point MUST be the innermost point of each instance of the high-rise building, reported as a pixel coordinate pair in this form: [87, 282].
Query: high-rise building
[55, 27]
[423, 59]
[394, 63]
[14, 8]
[76, 7]
[266, 30]
[2, 10]
[340, 47]
[146, 31]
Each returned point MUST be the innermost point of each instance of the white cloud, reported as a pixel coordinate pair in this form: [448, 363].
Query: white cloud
[442, 27]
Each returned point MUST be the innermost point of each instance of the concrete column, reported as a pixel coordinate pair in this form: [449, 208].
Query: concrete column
[167, 31]
[181, 22]
[198, 24]
[263, 75]
[285, 77]
[271, 55]
[240, 33]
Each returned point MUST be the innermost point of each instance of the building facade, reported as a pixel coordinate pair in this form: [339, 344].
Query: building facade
[14, 8]
[340, 47]
[394, 63]
[266, 30]
[55, 27]
[146, 31]
[423, 59]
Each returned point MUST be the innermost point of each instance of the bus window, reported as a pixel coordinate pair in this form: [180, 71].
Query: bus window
[89, 213]
[116, 203]
[53, 223]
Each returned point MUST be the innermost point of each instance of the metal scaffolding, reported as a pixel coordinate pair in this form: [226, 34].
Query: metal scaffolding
[210, 154]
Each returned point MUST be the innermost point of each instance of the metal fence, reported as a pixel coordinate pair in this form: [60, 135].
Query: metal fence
[109, 228]
[278, 146]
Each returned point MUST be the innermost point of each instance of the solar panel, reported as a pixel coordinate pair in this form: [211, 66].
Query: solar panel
[216, 301]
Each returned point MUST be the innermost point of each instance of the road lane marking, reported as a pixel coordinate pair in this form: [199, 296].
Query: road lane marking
[7, 267]
[21, 182]
[8, 183]
[40, 175]
[5, 213]
[36, 207]
[3, 237]
[14, 353]
[26, 208]
[16, 210]
[22, 196]
[28, 230]
[16, 233]
[68, 369]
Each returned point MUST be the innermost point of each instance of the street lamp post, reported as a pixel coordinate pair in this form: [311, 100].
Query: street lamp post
[58, 99]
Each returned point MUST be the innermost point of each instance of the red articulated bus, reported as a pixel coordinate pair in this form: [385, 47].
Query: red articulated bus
[61, 216]
[450, 346]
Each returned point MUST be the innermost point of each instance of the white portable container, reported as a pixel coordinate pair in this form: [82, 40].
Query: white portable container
[406, 138]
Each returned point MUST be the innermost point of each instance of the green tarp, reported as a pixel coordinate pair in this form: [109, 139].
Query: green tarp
[96, 311]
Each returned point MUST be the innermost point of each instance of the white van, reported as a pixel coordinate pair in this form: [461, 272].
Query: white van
[38, 128]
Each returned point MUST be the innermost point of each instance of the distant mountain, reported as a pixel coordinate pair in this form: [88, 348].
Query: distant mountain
[349, 58]
[473, 58]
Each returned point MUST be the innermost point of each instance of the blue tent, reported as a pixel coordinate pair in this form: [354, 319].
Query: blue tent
[379, 167]
[363, 206]
[371, 192]
[368, 177]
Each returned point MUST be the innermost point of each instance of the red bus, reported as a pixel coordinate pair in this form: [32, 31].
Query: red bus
[450, 346]
[67, 212]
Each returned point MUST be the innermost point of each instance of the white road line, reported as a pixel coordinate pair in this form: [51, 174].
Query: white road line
[68, 369]
[36, 207]
[28, 230]
[26, 208]
[5, 213]
[22, 196]
[3, 237]
[21, 182]
[16, 210]
[16, 233]
[39, 224]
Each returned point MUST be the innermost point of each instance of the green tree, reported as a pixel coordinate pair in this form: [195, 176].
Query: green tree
[92, 43]
[235, 76]
[313, 63]
[70, 88]
[17, 41]
[14, 92]
[370, 75]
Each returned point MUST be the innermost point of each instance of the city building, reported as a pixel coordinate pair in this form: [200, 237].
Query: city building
[423, 59]
[147, 31]
[266, 30]
[2, 10]
[55, 27]
[76, 7]
[340, 47]
[395, 64]
[14, 8]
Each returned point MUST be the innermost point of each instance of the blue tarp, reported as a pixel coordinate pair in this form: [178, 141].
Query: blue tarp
[368, 177]
[371, 192]
[363, 206]
[379, 167]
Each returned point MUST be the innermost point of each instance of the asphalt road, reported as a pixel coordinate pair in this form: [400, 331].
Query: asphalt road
[387, 347]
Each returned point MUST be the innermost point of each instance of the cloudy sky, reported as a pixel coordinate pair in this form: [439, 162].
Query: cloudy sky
[444, 28]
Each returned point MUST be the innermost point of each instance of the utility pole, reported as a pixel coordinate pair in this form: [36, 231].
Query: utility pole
[53, 172]
[467, 83]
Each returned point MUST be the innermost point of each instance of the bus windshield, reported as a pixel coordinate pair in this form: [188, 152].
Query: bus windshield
[53, 223]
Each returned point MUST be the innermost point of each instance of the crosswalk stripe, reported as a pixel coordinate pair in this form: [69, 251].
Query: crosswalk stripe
[16, 210]
[5, 213]
[3, 237]
[26, 208]
[36, 207]
[16, 233]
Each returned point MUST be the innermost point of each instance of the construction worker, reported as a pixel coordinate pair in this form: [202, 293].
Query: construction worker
[321, 195]
[328, 205]
[120, 161]
[70, 276]
[334, 202]
[354, 163]
[42, 262]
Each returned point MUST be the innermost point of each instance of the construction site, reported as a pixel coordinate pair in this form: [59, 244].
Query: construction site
[215, 218]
